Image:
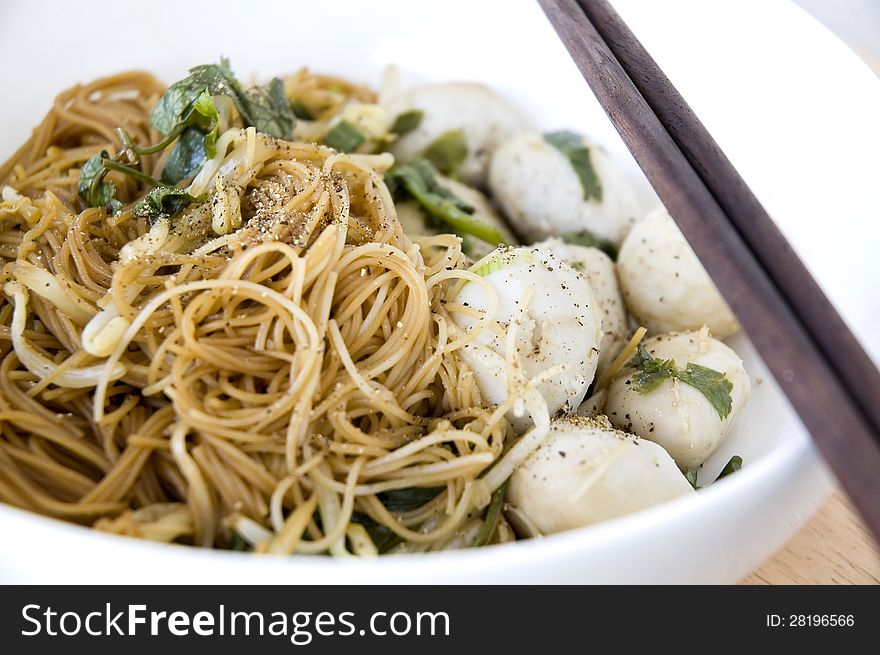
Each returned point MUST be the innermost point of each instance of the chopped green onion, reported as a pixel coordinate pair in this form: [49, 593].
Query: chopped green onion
[448, 151]
[344, 137]
[590, 240]
[502, 258]
[407, 121]
[301, 110]
[492, 514]
[419, 181]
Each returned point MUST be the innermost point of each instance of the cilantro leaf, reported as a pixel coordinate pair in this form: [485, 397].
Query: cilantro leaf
[713, 384]
[653, 375]
[448, 151]
[572, 146]
[418, 180]
[733, 465]
[165, 202]
[651, 372]
[641, 358]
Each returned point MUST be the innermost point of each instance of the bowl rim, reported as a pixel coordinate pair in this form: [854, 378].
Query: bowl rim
[723, 493]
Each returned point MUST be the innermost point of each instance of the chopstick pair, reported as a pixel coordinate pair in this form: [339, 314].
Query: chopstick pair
[820, 366]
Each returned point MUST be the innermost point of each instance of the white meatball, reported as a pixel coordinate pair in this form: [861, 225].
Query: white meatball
[477, 111]
[561, 328]
[538, 189]
[586, 472]
[664, 285]
[676, 415]
[598, 268]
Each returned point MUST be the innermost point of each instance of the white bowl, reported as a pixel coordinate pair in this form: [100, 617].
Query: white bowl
[795, 111]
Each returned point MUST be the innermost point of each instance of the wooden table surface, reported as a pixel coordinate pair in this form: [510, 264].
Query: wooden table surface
[835, 547]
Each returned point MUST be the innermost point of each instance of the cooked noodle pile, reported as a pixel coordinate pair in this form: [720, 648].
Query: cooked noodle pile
[258, 370]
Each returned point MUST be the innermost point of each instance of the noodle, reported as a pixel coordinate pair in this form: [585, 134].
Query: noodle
[262, 367]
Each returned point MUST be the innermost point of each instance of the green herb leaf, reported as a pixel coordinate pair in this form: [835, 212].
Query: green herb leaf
[301, 110]
[572, 146]
[236, 542]
[733, 465]
[205, 116]
[344, 137]
[198, 133]
[397, 501]
[421, 173]
[448, 151]
[406, 500]
[113, 165]
[266, 108]
[713, 384]
[383, 537]
[590, 240]
[641, 359]
[491, 519]
[179, 98]
[419, 181]
[202, 115]
[381, 145]
[93, 189]
[187, 111]
[691, 476]
[185, 114]
[165, 202]
[407, 121]
[187, 157]
[650, 373]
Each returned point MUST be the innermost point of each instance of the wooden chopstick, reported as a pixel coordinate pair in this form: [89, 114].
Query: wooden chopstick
[773, 296]
[771, 249]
